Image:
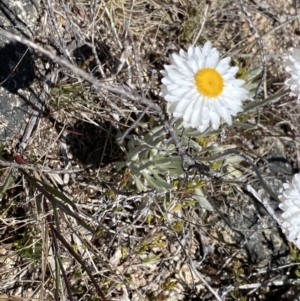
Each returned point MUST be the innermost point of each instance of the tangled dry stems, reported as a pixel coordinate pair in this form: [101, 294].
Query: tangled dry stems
[143, 245]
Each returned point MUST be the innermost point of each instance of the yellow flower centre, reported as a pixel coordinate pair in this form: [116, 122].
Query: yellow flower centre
[209, 82]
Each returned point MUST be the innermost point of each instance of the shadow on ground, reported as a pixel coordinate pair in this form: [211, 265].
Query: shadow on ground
[94, 145]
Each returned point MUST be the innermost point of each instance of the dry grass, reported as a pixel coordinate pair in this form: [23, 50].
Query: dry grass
[94, 227]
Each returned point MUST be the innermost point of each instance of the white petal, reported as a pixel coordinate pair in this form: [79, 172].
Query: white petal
[215, 119]
[206, 49]
[292, 66]
[212, 60]
[223, 65]
[290, 205]
[223, 112]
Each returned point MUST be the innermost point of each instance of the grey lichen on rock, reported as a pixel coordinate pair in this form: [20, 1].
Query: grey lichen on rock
[246, 222]
[17, 66]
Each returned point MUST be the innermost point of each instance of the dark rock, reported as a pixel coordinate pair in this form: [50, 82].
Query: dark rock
[17, 65]
[247, 224]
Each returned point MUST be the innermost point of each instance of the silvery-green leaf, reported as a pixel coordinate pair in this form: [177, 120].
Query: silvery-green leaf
[140, 187]
[188, 132]
[135, 168]
[252, 74]
[175, 173]
[200, 197]
[251, 89]
[243, 125]
[233, 172]
[135, 153]
[253, 105]
[144, 154]
[191, 132]
[195, 146]
[234, 159]
[169, 170]
[164, 183]
[219, 148]
[168, 162]
[250, 86]
[120, 164]
[143, 166]
[156, 130]
[211, 133]
[159, 186]
[131, 145]
[154, 136]
[186, 141]
[153, 153]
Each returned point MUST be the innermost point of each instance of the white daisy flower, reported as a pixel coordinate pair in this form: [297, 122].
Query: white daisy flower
[290, 206]
[292, 66]
[201, 88]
